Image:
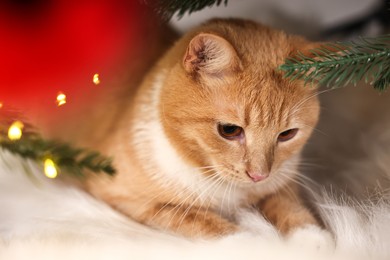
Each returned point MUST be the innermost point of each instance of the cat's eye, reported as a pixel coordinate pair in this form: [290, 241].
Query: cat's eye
[229, 131]
[287, 135]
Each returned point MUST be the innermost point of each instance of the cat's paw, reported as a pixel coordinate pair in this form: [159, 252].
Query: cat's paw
[311, 237]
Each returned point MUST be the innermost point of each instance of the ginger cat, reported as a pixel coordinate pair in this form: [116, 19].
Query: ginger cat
[213, 128]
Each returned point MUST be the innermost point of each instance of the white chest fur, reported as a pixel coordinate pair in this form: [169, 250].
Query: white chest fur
[165, 165]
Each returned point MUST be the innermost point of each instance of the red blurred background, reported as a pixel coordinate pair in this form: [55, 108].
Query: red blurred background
[47, 47]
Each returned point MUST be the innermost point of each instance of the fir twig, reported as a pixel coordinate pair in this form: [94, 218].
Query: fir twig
[339, 64]
[167, 8]
[72, 160]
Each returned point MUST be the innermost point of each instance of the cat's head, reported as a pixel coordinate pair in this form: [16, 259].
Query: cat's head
[224, 103]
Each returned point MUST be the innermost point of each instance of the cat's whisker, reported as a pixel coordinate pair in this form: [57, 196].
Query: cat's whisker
[298, 182]
[232, 192]
[177, 193]
[292, 194]
[209, 187]
[191, 191]
[195, 195]
[222, 205]
[229, 195]
[301, 109]
[209, 167]
[302, 102]
[286, 188]
[307, 178]
[141, 208]
[199, 197]
[180, 191]
[167, 204]
[299, 106]
[224, 196]
[276, 183]
[216, 188]
[309, 164]
[316, 129]
[303, 177]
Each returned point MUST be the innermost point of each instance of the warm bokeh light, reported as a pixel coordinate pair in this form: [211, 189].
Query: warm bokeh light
[96, 79]
[50, 169]
[15, 131]
[61, 99]
[1, 104]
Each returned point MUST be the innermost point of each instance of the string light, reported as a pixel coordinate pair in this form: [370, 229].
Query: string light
[50, 169]
[15, 131]
[96, 79]
[61, 99]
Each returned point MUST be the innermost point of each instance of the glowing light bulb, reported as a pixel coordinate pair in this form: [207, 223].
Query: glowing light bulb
[96, 79]
[15, 131]
[50, 169]
[1, 105]
[61, 99]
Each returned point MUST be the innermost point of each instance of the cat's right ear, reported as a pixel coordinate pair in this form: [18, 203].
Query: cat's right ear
[307, 48]
[210, 56]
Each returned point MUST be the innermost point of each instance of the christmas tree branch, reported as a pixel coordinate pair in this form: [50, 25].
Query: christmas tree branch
[167, 8]
[339, 64]
[73, 160]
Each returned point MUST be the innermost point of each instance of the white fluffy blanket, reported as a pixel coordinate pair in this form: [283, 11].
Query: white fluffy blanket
[44, 219]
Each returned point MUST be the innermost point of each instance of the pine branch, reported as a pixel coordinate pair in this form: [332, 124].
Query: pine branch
[73, 160]
[167, 8]
[339, 64]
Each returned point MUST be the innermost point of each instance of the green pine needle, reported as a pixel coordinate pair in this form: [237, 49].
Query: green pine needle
[72, 160]
[339, 64]
[168, 8]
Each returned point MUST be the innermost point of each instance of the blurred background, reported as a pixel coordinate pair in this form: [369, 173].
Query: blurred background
[49, 47]
[316, 19]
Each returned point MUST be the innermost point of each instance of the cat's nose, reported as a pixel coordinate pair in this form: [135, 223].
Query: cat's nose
[257, 176]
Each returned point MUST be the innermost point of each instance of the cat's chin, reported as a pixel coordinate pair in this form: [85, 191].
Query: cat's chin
[250, 185]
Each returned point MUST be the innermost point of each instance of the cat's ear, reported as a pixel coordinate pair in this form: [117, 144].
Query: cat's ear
[308, 47]
[210, 56]
[304, 47]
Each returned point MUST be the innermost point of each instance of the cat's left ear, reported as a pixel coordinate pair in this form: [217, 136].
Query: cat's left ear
[210, 56]
[306, 48]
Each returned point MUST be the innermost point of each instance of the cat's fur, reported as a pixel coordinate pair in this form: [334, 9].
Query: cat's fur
[175, 171]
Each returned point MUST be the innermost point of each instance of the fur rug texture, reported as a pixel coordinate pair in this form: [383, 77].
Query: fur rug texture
[47, 219]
